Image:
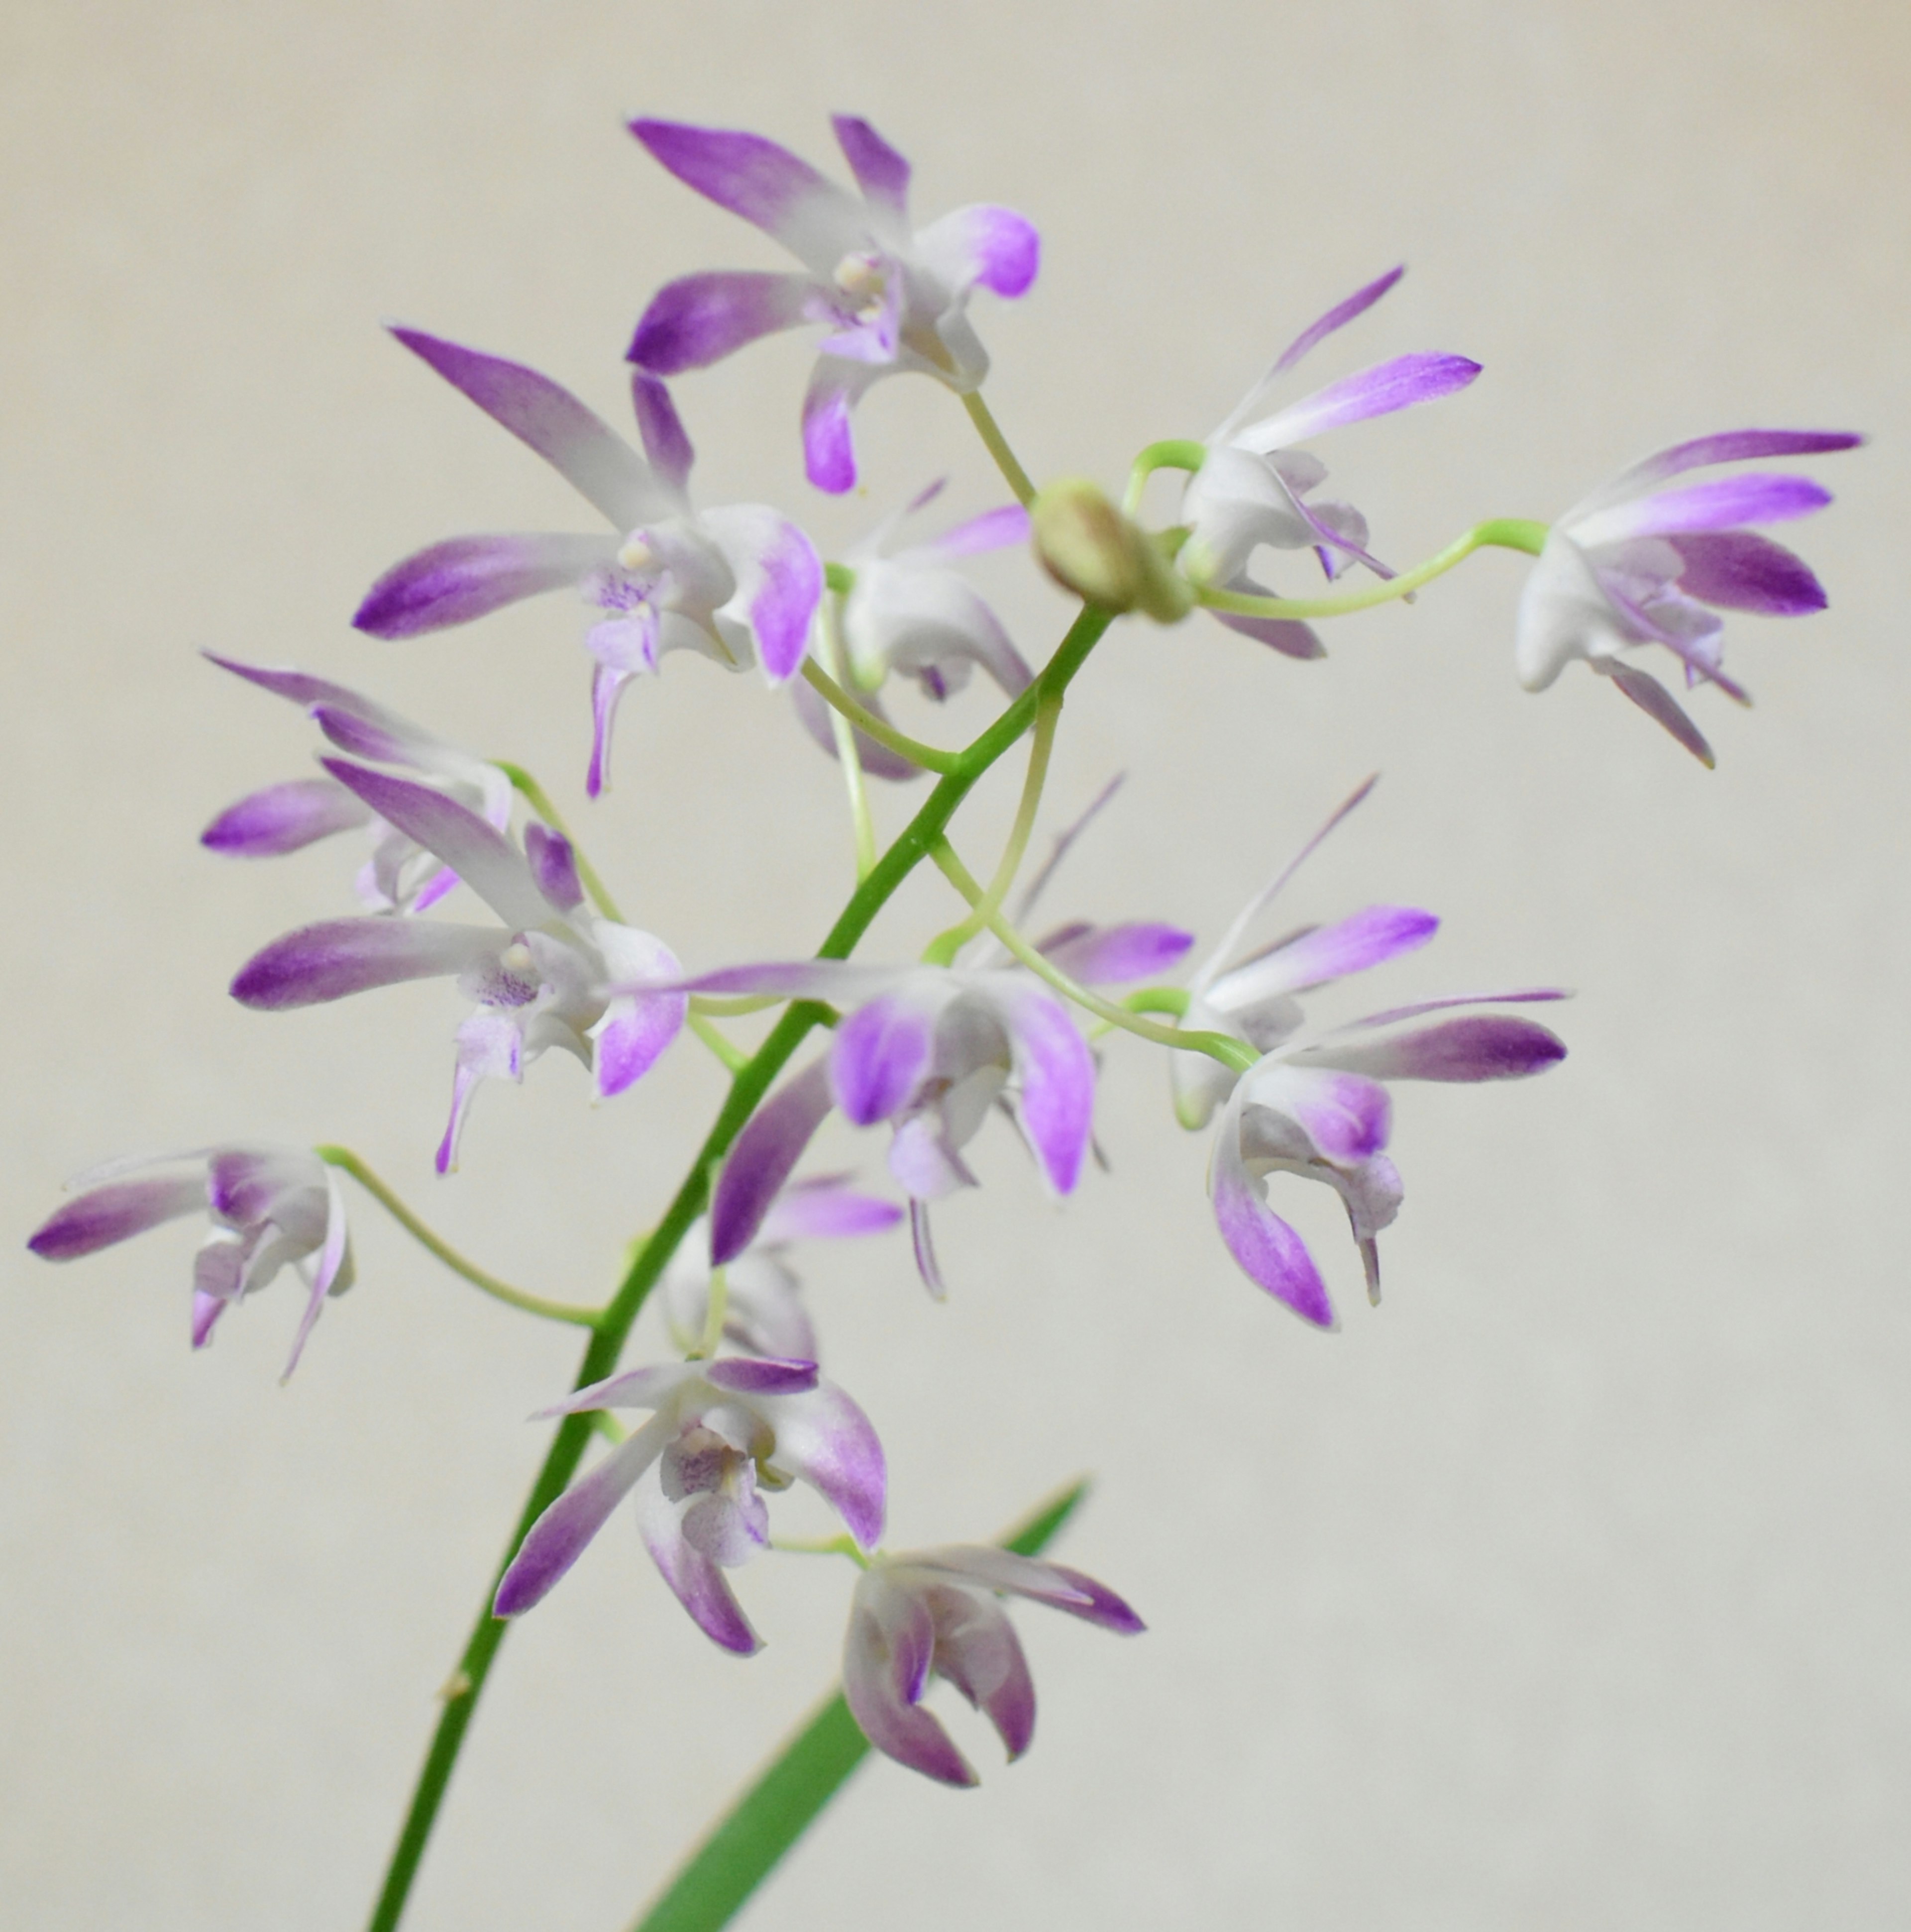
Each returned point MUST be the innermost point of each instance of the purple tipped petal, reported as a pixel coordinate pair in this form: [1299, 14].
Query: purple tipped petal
[699, 320]
[764, 1157]
[635, 1031]
[1346, 1116]
[978, 1650]
[1053, 1584]
[299, 687]
[1371, 936]
[283, 818]
[339, 957]
[829, 457]
[606, 687]
[583, 449]
[993, 248]
[813, 1210]
[331, 1261]
[1337, 317]
[473, 848]
[1659, 704]
[924, 1244]
[1481, 1047]
[1271, 1252]
[363, 737]
[666, 442]
[1722, 504]
[454, 582]
[1056, 1073]
[99, 1218]
[1378, 391]
[993, 530]
[206, 1309]
[881, 173]
[766, 184]
[699, 1585]
[1108, 955]
[756, 1375]
[554, 865]
[556, 1540]
[779, 580]
[1737, 570]
[825, 1440]
[886, 1660]
[1736, 445]
[880, 1054]
[1288, 635]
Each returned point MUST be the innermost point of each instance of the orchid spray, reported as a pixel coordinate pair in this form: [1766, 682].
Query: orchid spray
[997, 1026]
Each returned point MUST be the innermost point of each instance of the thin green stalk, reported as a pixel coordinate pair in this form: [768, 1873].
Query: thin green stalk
[752, 1082]
[535, 796]
[725, 1049]
[1502, 532]
[754, 1834]
[348, 1162]
[830, 626]
[866, 720]
[1174, 454]
[991, 432]
[1231, 1053]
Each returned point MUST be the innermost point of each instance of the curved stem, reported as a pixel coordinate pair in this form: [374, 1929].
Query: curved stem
[726, 1050]
[1175, 454]
[991, 432]
[535, 796]
[1501, 533]
[1233, 1054]
[911, 846]
[830, 626]
[348, 1162]
[866, 721]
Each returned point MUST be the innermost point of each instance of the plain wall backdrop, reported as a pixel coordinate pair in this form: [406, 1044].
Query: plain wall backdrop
[1568, 1588]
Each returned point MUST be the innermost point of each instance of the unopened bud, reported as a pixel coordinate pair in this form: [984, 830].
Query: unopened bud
[1088, 546]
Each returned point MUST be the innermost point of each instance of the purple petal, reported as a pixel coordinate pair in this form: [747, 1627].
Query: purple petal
[779, 580]
[978, 1650]
[886, 1660]
[877, 760]
[1337, 317]
[1480, 1047]
[454, 582]
[206, 1309]
[583, 449]
[1378, 391]
[1270, 1252]
[993, 530]
[923, 1244]
[554, 865]
[880, 1054]
[991, 247]
[283, 818]
[766, 184]
[1056, 1073]
[1525, 994]
[330, 1260]
[104, 1215]
[699, 320]
[636, 1030]
[666, 442]
[813, 1210]
[699, 1585]
[341, 956]
[1107, 954]
[606, 687]
[491, 1046]
[1288, 635]
[648, 1387]
[825, 1440]
[1738, 570]
[1346, 1116]
[843, 982]
[556, 1540]
[764, 1156]
[1736, 445]
[1659, 704]
[474, 849]
[1722, 504]
[1371, 936]
[299, 687]
[829, 457]
[1053, 1584]
[742, 1375]
[881, 173]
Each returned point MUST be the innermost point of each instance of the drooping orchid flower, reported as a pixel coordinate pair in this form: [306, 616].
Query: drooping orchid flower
[400, 875]
[721, 1431]
[1254, 487]
[925, 1613]
[540, 978]
[738, 584]
[1638, 563]
[892, 298]
[271, 1208]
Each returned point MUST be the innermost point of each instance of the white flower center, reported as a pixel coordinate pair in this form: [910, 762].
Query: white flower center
[865, 280]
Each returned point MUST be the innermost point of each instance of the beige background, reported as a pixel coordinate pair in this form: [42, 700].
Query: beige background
[1568, 1590]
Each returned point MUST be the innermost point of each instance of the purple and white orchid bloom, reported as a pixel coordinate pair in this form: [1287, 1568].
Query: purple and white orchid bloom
[1254, 487]
[271, 1208]
[926, 1613]
[764, 1313]
[400, 875]
[1637, 562]
[540, 978]
[720, 1433]
[738, 584]
[893, 298]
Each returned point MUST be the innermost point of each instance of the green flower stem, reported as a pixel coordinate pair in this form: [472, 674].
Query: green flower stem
[348, 1162]
[944, 947]
[743, 1849]
[719, 1005]
[1501, 533]
[535, 796]
[726, 1050]
[871, 726]
[989, 430]
[1233, 1054]
[1174, 454]
[752, 1082]
[829, 624]
[1150, 1000]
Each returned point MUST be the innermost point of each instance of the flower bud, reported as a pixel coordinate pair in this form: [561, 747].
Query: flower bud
[1088, 546]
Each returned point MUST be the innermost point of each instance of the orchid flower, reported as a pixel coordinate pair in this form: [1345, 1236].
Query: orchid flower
[1635, 563]
[738, 583]
[937, 1612]
[1254, 486]
[400, 875]
[893, 298]
[271, 1207]
[539, 978]
[763, 1309]
[720, 1432]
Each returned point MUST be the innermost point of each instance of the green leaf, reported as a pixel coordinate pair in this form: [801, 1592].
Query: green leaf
[808, 1772]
